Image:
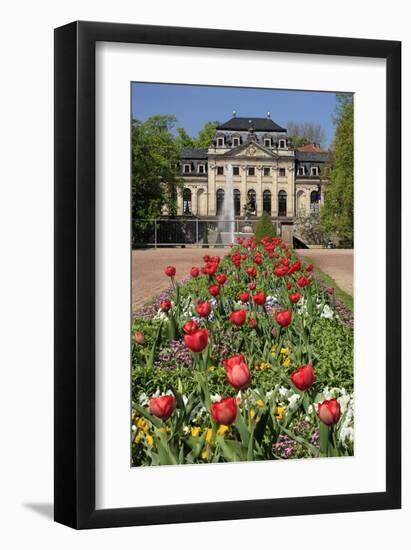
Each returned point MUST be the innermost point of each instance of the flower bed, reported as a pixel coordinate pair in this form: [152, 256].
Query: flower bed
[248, 358]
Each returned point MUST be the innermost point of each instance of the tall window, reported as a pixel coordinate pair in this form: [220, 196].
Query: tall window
[252, 202]
[282, 203]
[315, 198]
[237, 202]
[219, 201]
[267, 202]
[187, 201]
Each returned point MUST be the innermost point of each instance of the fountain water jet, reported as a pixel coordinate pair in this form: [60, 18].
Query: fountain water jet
[227, 222]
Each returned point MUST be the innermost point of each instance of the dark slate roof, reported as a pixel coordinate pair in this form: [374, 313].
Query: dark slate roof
[194, 154]
[311, 157]
[258, 124]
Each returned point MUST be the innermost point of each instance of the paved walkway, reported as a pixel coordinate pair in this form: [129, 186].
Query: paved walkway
[149, 279]
[338, 264]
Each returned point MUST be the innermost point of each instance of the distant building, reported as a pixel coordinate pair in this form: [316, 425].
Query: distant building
[268, 175]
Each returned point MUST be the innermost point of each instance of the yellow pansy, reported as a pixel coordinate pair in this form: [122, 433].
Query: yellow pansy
[142, 424]
[286, 362]
[284, 351]
[195, 431]
[149, 440]
[137, 439]
[204, 455]
[259, 403]
[222, 429]
[280, 413]
[211, 368]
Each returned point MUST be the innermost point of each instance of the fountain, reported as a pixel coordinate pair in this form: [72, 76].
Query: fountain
[226, 220]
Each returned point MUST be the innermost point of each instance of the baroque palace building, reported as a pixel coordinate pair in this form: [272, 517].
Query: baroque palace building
[268, 175]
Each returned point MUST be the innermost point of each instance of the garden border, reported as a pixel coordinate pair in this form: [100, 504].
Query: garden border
[75, 274]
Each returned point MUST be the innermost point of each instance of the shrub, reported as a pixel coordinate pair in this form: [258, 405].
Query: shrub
[265, 227]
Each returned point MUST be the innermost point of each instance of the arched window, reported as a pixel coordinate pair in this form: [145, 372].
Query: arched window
[220, 201]
[252, 202]
[315, 198]
[187, 209]
[237, 202]
[267, 202]
[282, 203]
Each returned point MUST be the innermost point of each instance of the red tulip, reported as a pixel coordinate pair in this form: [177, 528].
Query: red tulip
[329, 411]
[309, 268]
[244, 297]
[162, 406]
[281, 271]
[139, 337]
[284, 317]
[303, 377]
[238, 317]
[295, 267]
[203, 309]
[259, 298]
[258, 258]
[214, 290]
[206, 258]
[194, 272]
[251, 271]
[295, 297]
[221, 279]
[252, 323]
[224, 411]
[303, 281]
[197, 341]
[238, 373]
[190, 327]
[165, 305]
[252, 286]
[243, 257]
[289, 286]
[170, 271]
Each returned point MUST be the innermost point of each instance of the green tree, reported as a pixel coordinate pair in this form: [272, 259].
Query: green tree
[155, 177]
[265, 227]
[206, 134]
[338, 211]
[184, 140]
[303, 133]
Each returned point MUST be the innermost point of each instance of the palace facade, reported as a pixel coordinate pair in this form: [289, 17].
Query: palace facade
[268, 175]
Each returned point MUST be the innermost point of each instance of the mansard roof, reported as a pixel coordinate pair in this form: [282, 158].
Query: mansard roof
[194, 153]
[245, 123]
[311, 152]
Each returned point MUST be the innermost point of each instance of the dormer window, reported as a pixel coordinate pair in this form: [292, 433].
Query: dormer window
[201, 169]
[187, 168]
[314, 170]
[301, 171]
[236, 142]
[282, 143]
[267, 142]
[220, 142]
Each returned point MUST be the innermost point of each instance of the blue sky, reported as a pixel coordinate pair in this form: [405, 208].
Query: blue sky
[195, 105]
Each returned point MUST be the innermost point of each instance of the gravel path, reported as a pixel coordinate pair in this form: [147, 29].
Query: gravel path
[338, 264]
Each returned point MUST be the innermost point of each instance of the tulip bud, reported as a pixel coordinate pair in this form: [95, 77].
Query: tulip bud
[284, 317]
[194, 272]
[224, 411]
[162, 406]
[214, 290]
[197, 341]
[303, 377]
[170, 271]
[329, 411]
[139, 337]
[238, 317]
[165, 305]
[203, 309]
[238, 373]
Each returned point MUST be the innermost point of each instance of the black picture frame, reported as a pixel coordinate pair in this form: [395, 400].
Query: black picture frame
[75, 274]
